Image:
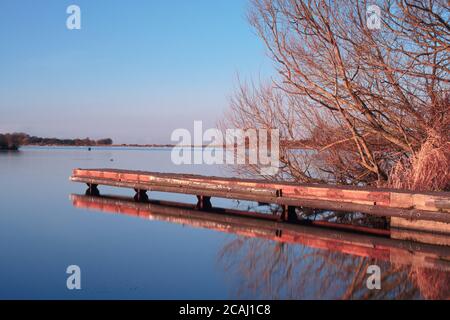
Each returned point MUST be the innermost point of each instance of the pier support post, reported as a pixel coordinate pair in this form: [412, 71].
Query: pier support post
[141, 195]
[92, 190]
[288, 213]
[203, 202]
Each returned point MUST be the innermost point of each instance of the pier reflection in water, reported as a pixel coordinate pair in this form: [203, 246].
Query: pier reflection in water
[271, 259]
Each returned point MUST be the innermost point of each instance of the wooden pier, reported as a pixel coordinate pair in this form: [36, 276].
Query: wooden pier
[426, 211]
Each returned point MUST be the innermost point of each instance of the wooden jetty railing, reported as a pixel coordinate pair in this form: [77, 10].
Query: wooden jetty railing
[425, 210]
[241, 223]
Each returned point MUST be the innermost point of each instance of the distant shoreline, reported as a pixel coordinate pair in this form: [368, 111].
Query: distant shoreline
[122, 145]
[13, 141]
[151, 146]
[9, 148]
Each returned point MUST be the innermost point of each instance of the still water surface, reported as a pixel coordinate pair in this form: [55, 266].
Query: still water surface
[126, 257]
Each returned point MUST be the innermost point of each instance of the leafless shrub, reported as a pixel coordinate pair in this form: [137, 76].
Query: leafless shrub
[429, 169]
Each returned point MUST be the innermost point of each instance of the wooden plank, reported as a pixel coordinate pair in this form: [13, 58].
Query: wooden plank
[411, 214]
[172, 186]
[297, 202]
[420, 236]
[423, 225]
[422, 207]
[443, 204]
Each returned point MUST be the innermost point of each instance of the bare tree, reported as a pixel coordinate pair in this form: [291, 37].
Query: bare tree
[372, 106]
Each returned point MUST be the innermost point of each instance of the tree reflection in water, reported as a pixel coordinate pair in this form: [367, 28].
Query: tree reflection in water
[271, 270]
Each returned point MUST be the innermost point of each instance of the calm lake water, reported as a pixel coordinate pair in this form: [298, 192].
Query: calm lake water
[127, 257]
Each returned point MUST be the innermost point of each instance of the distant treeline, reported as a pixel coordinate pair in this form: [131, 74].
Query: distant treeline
[12, 141]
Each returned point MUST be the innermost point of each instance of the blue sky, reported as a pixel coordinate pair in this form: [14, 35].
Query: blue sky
[135, 71]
